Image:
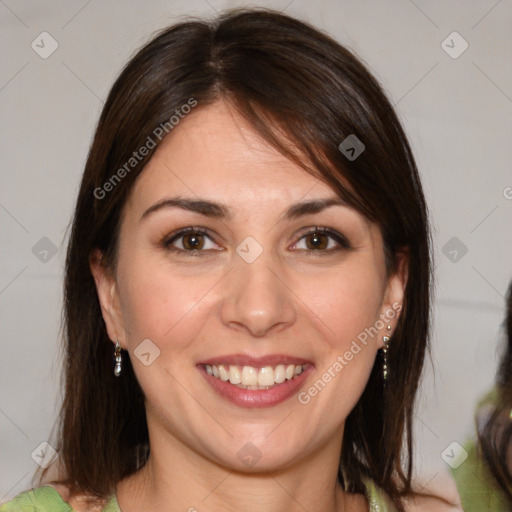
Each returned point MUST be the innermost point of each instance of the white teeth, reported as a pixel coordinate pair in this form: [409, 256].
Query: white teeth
[266, 376]
[250, 377]
[280, 374]
[224, 375]
[234, 375]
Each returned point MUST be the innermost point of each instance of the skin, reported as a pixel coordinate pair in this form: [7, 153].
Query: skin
[295, 300]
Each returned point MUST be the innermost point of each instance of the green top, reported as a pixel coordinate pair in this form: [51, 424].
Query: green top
[47, 499]
[478, 490]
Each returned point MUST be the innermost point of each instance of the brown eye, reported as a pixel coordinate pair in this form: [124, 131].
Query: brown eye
[193, 241]
[316, 241]
[321, 240]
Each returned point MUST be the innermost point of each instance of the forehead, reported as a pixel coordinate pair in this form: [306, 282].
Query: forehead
[214, 153]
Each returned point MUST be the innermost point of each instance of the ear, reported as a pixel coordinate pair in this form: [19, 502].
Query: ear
[108, 297]
[392, 304]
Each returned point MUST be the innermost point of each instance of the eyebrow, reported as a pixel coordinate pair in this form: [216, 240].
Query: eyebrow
[218, 210]
[313, 206]
[201, 206]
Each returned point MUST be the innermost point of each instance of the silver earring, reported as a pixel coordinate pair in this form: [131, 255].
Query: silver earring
[117, 355]
[385, 339]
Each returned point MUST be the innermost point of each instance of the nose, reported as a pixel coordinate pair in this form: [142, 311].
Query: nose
[256, 300]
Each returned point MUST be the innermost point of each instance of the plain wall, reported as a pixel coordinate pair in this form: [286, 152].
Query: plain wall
[457, 113]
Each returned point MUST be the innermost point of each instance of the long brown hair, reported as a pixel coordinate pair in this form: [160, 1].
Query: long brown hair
[305, 94]
[495, 439]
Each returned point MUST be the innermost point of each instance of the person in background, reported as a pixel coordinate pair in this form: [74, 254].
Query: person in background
[484, 479]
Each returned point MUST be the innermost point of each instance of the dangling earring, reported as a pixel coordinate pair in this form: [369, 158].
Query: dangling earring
[385, 339]
[117, 355]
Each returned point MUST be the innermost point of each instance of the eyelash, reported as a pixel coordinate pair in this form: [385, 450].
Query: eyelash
[341, 240]
[168, 241]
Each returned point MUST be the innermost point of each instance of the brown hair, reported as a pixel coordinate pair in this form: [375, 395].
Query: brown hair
[495, 439]
[304, 93]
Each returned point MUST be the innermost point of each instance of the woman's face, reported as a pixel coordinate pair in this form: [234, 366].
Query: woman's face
[250, 299]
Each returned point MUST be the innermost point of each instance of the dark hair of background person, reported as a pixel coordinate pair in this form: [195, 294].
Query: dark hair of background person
[495, 439]
[304, 94]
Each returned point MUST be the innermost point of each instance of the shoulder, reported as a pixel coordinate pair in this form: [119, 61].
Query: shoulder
[42, 499]
[437, 494]
[431, 504]
[429, 499]
[54, 498]
[81, 503]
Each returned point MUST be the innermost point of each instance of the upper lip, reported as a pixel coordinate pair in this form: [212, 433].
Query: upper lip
[256, 362]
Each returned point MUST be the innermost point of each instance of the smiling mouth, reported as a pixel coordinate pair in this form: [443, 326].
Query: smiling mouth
[254, 378]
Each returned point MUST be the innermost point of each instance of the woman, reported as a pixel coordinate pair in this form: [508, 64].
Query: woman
[484, 480]
[247, 283]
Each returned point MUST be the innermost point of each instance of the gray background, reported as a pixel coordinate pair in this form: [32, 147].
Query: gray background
[456, 111]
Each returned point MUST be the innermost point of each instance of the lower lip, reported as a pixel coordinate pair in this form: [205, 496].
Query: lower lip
[257, 397]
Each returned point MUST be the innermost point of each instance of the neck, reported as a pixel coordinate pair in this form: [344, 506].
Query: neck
[178, 478]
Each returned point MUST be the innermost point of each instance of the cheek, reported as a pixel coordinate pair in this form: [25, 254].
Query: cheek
[170, 310]
[346, 301]
[162, 305]
[347, 304]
